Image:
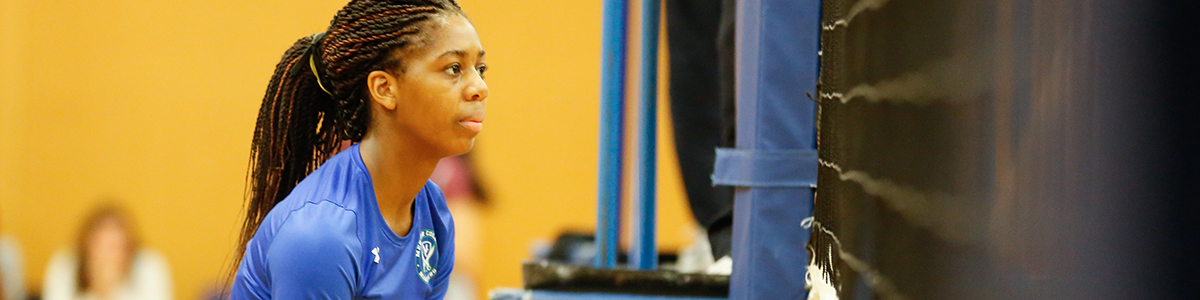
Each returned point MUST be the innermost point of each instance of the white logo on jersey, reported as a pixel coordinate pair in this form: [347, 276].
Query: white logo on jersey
[376, 252]
[426, 255]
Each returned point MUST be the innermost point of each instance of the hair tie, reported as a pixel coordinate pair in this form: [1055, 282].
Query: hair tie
[315, 65]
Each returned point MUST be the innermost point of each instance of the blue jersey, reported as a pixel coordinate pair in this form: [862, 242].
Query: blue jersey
[327, 240]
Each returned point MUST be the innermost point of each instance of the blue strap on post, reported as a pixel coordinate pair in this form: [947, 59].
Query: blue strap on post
[765, 168]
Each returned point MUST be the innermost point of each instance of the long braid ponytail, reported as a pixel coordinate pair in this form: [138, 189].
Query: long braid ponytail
[303, 119]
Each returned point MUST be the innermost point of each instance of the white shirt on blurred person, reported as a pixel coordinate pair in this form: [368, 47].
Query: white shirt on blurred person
[149, 279]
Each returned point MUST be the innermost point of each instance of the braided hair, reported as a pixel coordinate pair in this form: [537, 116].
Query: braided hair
[317, 96]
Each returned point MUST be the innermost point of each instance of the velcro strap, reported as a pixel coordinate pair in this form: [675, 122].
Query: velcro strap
[757, 168]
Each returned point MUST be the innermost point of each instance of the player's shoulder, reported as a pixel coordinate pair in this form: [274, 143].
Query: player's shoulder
[316, 248]
[437, 201]
[335, 180]
[321, 234]
[315, 221]
[338, 181]
[433, 191]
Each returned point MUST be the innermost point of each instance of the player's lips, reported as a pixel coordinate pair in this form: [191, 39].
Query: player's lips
[473, 122]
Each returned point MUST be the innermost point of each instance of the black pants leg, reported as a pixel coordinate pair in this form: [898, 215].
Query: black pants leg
[700, 43]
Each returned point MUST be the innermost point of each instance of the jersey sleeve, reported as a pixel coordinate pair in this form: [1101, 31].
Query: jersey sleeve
[441, 281]
[315, 254]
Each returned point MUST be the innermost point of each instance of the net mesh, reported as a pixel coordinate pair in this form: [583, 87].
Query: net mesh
[903, 132]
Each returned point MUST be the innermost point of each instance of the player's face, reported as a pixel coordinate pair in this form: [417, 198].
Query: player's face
[441, 92]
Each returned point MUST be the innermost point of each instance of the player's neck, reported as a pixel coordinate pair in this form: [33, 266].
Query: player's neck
[398, 172]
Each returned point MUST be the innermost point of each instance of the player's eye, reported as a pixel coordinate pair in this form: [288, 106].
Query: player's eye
[454, 70]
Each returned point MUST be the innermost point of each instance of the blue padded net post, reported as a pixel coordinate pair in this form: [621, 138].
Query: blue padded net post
[775, 164]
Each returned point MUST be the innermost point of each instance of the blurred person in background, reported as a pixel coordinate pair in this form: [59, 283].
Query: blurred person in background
[701, 48]
[107, 263]
[403, 81]
[466, 198]
[12, 285]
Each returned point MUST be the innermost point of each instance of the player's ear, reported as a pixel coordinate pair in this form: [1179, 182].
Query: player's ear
[382, 88]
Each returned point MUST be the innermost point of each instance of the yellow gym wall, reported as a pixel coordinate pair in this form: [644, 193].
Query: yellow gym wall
[154, 103]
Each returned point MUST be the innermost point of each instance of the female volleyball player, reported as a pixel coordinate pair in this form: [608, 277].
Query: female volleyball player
[403, 81]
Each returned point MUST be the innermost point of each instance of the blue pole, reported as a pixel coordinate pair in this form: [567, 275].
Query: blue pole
[645, 246]
[612, 98]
